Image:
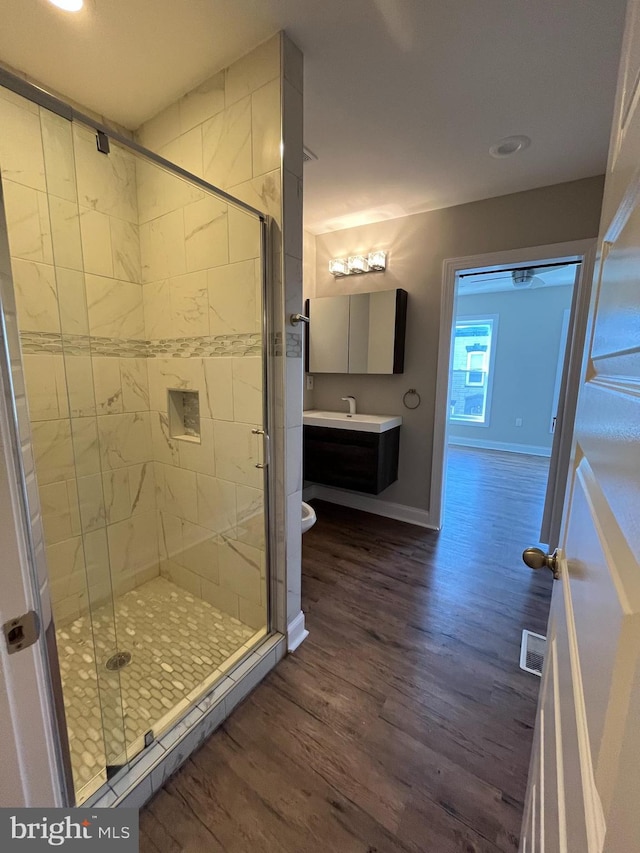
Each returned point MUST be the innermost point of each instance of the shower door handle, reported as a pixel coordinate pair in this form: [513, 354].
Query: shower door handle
[266, 448]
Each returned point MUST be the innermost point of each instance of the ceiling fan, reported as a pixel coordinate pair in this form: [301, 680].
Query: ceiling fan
[522, 278]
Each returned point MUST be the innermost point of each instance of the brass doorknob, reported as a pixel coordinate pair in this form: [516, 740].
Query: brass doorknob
[537, 559]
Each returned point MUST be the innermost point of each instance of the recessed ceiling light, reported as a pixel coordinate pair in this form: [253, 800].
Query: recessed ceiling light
[509, 145]
[68, 5]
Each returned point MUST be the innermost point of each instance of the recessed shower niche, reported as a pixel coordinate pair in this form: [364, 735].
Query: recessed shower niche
[184, 415]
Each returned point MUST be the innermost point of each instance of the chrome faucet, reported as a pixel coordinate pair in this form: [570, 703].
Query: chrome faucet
[352, 405]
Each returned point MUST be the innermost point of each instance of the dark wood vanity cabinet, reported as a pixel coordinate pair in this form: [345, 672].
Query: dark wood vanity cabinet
[350, 459]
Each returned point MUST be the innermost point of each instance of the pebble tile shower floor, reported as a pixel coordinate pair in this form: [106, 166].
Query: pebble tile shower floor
[176, 642]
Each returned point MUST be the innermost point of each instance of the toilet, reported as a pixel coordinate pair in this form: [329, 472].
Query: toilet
[308, 517]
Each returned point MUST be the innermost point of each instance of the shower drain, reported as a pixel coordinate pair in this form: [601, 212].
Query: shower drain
[118, 661]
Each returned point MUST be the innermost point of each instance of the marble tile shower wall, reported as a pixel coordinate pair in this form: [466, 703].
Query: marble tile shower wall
[118, 269]
[201, 276]
[115, 490]
[209, 494]
[73, 236]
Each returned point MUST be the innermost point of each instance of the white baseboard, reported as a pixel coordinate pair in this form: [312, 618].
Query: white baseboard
[309, 491]
[296, 632]
[355, 500]
[507, 446]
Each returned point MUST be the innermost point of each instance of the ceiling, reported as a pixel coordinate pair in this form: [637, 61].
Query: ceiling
[497, 281]
[402, 97]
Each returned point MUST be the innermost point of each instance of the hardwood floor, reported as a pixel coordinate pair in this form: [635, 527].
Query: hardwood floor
[403, 723]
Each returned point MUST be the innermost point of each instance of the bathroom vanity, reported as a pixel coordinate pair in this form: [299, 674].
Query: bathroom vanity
[356, 452]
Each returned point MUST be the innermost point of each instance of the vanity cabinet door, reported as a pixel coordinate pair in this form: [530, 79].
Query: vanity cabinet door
[348, 459]
[329, 341]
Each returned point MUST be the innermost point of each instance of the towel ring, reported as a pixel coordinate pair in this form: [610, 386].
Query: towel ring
[411, 393]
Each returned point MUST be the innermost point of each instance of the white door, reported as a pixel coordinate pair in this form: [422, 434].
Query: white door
[584, 784]
[31, 769]
[30, 772]
[566, 400]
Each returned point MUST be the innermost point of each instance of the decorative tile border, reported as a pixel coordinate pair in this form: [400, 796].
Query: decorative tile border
[276, 348]
[214, 346]
[116, 347]
[41, 343]
[209, 346]
[294, 345]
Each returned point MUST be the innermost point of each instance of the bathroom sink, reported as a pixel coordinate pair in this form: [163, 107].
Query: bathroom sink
[342, 420]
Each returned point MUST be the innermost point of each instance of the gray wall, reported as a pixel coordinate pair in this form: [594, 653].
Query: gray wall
[527, 347]
[417, 246]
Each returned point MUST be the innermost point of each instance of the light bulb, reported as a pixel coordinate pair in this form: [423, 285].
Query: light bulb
[378, 260]
[68, 5]
[338, 266]
[358, 264]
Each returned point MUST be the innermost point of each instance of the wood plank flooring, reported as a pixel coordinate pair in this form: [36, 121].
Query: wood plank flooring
[403, 723]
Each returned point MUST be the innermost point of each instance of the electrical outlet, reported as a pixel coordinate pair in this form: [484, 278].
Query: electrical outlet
[518, 421]
[309, 382]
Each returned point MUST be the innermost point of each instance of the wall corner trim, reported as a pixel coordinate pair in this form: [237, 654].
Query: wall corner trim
[355, 500]
[296, 632]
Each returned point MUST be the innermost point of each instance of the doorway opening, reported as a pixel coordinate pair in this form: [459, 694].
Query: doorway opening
[508, 349]
[512, 328]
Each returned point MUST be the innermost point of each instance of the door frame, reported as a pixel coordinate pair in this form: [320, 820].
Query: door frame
[575, 250]
[562, 354]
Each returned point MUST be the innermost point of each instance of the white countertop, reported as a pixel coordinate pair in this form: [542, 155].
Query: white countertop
[359, 423]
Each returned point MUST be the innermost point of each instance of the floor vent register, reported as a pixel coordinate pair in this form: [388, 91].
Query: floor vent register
[532, 652]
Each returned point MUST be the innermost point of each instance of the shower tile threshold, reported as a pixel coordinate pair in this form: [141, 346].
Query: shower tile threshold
[134, 786]
[181, 647]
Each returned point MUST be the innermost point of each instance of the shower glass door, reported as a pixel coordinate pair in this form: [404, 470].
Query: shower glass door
[140, 307]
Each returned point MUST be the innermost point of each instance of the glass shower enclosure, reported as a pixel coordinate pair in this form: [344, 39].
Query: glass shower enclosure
[139, 295]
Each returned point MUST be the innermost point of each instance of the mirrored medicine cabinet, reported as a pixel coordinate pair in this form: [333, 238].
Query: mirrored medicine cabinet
[357, 333]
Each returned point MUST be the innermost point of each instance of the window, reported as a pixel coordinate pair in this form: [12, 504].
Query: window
[475, 368]
[472, 368]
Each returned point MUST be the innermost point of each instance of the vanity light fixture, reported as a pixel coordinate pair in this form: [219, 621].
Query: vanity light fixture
[338, 267]
[357, 264]
[68, 5]
[377, 261]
